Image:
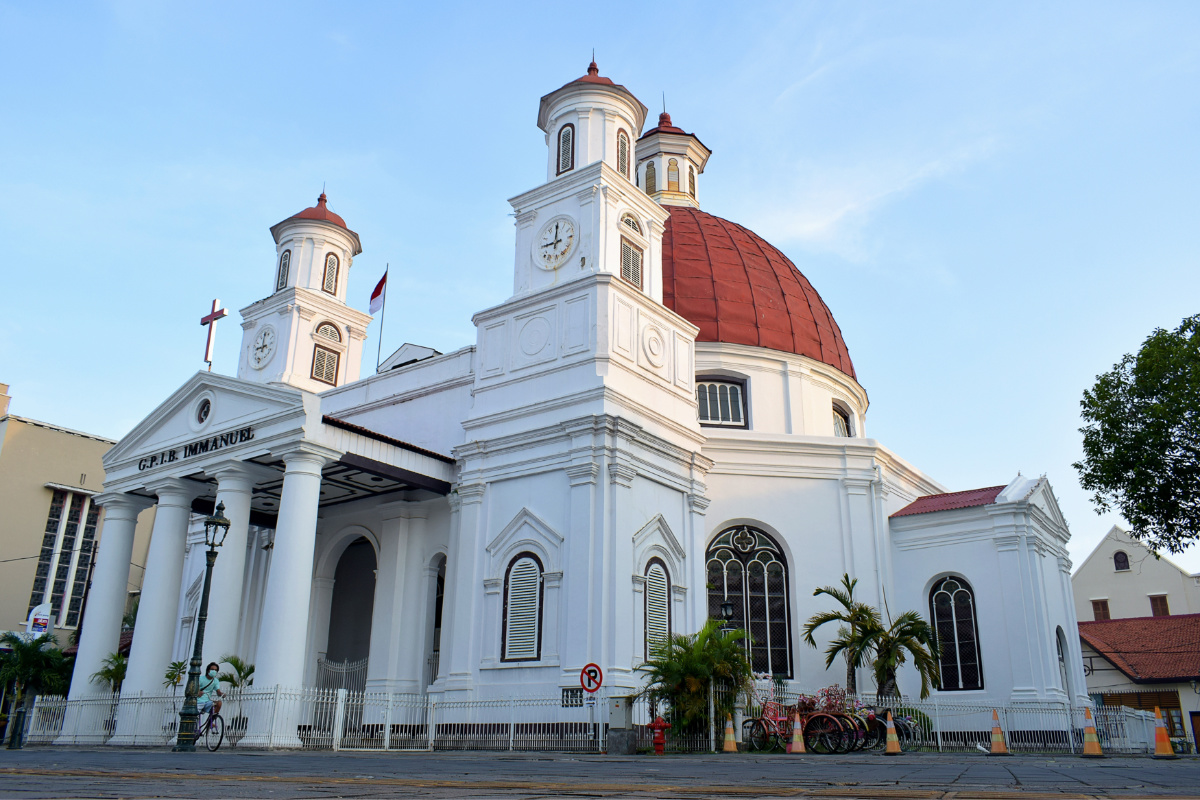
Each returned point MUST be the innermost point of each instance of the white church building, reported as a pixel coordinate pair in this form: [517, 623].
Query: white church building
[663, 417]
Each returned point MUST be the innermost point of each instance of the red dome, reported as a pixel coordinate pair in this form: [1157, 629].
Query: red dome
[321, 212]
[738, 289]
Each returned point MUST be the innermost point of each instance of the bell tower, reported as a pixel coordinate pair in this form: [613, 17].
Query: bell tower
[669, 163]
[304, 334]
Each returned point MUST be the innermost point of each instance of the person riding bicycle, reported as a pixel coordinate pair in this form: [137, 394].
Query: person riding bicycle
[209, 690]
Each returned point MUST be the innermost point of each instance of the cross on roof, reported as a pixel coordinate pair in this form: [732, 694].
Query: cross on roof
[210, 320]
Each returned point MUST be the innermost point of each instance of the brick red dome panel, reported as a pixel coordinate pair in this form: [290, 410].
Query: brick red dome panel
[739, 289]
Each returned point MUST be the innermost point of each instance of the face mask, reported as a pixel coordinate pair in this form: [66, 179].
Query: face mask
[212, 673]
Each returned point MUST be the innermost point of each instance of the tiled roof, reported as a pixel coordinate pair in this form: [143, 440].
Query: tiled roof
[321, 212]
[738, 289]
[1148, 649]
[123, 646]
[950, 500]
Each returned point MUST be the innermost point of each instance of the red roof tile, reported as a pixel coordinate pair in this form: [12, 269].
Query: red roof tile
[738, 289]
[1149, 649]
[321, 212]
[123, 645]
[950, 500]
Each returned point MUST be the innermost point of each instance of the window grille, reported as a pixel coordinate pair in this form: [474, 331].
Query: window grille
[952, 607]
[566, 148]
[747, 568]
[658, 606]
[1100, 610]
[329, 284]
[285, 261]
[841, 422]
[673, 175]
[523, 610]
[61, 574]
[630, 222]
[623, 153]
[325, 365]
[1158, 606]
[651, 179]
[721, 404]
[49, 547]
[631, 263]
[692, 181]
[329, 331]
[1121, 561]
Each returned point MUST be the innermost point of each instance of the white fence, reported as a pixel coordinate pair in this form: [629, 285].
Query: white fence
[338, 719]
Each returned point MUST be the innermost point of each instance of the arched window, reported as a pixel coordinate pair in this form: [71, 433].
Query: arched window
[658, 605]
[523, 609]
[285, 261]
[651, 179]
[841, 421]
[566, 148]
[630, 221]
[952, 608]
[1121, 561]
[1063, 673]
[631, 262]
[329, 331]
[623, 153]
[330, 281]
[692, 181]
[672, 176]
[721, 403]
[747, 568]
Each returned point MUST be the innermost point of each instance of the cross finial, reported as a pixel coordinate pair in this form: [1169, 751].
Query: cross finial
[210, 319]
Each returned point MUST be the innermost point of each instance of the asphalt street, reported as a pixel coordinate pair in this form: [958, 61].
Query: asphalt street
[53, 772]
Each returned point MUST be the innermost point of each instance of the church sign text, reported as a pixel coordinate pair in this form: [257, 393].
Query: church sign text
[209, 445]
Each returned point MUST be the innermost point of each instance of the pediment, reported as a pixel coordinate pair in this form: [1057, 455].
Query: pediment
[1043, 497]
[657, 531]
[233, 404]
[528, 529]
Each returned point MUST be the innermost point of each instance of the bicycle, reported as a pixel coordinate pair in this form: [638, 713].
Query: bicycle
[213, 731]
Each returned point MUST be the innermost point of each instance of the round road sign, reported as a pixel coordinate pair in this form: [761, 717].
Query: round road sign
[591, 678]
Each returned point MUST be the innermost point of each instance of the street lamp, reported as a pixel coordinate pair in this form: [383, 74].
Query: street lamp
[216, 528]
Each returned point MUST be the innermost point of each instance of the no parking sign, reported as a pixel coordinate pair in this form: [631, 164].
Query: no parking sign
[591, 678]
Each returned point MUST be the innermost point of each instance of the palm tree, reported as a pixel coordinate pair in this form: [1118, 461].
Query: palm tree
[242, 675]
[130, 617]
[908, 635]
[856, 618]
[34, 665]
[113, 671]
[174, 675]
[683, 666]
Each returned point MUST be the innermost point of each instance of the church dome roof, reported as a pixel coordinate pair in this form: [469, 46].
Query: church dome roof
[739, 289]
[322, 213]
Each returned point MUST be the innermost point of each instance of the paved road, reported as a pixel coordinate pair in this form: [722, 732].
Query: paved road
[52, 772]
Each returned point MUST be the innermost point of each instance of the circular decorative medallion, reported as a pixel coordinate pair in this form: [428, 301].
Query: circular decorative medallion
[203, 410]
[534, 336]
[654, 346]
[554, 243]
[263, 347]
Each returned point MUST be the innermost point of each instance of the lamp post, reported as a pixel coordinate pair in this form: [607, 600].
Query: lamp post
[216, 528]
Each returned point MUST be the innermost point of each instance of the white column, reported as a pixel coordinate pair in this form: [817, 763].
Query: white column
[158, 611]
[235, 484]
[110, 583]
[283, 632]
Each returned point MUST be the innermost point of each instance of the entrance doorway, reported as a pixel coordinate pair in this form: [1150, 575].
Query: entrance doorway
[345, 662]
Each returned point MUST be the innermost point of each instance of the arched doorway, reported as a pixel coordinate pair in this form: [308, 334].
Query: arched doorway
[345, 663]
[434, 643]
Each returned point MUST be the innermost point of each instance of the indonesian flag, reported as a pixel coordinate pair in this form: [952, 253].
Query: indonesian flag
[378, 294]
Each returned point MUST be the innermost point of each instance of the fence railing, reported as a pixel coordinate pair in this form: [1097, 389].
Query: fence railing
[338, 719]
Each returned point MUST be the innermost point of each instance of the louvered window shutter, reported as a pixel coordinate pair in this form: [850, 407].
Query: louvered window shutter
[651, 179]
[566, 148]
[284, 262]
[658, 619]
[631, 264]
[524, 611]
[623, 154]
[325, 365]
[331, 276]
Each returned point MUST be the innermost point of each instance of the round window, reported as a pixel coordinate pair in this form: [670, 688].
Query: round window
[203, 410]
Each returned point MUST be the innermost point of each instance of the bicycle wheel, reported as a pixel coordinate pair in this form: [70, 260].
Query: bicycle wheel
[760, 736]
[821, 733]
[215, 733]
[878, 735]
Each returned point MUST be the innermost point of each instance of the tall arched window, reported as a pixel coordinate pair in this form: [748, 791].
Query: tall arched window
[672, 176]
[325, 360]
[952, 608]
[1121, 561]
[748, 569]
[330, 281]
[651, 179]
[523, 609]
[623, 153]
[285, 261]
[841, 421]
[658, 605]
[566, 148]
[692, 181]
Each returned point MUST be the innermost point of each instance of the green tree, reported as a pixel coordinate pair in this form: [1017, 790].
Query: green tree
[1141, 438]
[112, 673]
[908, 636]
[34, 665]
[176, 672]
[683, 666]
[129, 619]
[855, 617]
[242, 675]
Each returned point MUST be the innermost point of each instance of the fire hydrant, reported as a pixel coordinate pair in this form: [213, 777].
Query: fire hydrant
[660, 740]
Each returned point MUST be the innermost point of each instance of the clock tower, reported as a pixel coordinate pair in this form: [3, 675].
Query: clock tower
[303, 334]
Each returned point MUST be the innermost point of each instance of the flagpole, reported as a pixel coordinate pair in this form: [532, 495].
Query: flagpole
[382, 312]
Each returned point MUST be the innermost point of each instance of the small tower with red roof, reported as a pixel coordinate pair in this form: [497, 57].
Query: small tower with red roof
[304, 334]
[669, 163]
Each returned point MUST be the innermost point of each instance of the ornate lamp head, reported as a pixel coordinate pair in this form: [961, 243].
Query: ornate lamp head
[216, 527]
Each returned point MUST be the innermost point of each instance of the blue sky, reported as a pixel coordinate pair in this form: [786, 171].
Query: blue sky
[996, 200]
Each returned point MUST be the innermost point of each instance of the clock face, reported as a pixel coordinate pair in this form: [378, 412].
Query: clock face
[264, 347]
[553, 245]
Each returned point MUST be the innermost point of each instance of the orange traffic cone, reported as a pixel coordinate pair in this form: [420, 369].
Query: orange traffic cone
[1091, 742]
[796, 747]
[730, 745]
[893, 741]
[1162, 741]
[999, 748]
